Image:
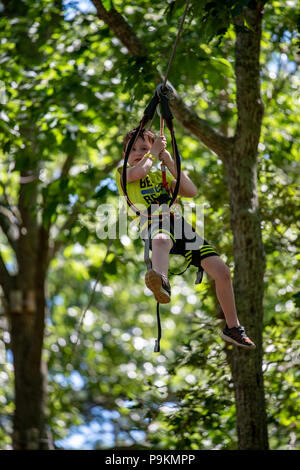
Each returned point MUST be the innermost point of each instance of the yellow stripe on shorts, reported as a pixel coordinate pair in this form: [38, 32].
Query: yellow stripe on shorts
[161, 230]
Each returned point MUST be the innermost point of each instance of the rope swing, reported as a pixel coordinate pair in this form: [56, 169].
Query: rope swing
[162, 95]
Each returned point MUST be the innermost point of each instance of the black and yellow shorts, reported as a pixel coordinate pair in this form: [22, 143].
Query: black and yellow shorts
[186, 241]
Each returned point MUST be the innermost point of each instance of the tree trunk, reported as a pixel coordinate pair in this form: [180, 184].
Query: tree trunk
[29, 432]
[249, 255]
[26, 311]
[27, 318]
[249, 260]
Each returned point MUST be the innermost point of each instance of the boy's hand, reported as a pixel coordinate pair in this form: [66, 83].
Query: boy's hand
[158, 146]
[165, 157]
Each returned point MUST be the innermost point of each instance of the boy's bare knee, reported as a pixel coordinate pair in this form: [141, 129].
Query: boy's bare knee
[225, 273]
[161, 236]
[216, 268]
[162, 239]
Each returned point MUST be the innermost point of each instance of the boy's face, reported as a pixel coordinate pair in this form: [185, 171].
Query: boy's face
[140, 148]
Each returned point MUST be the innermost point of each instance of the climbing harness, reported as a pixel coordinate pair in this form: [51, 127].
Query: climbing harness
[166, 199]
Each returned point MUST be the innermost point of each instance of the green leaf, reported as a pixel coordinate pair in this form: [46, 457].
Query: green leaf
[83, 236]
[69, 144]
[49, 213]
[108, 4]
[63, 183]
[297, 299]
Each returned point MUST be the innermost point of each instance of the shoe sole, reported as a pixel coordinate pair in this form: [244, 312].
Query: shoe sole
[231, 340]
[154, 283]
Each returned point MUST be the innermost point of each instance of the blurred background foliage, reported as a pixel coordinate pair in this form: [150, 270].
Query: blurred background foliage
[69, 92]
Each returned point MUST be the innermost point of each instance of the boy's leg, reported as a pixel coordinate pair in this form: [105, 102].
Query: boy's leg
[161, 246]
[218, 270]
[157, 278]
[233, 332]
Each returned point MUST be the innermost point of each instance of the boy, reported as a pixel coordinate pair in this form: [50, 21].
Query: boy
[143, 185]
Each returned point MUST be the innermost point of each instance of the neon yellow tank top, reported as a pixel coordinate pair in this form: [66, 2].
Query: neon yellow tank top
[143, 192]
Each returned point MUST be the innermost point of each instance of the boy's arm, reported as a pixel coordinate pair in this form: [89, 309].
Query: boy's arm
[140, 170]
[186, 187]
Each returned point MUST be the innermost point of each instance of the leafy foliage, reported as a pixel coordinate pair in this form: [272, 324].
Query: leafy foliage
[68, 93]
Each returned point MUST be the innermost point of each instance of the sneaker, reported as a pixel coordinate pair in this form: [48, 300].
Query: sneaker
[159, 285]
[237, 336]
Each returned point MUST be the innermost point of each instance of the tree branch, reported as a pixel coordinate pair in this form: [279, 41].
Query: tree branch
[66, 166]
[216, 141]
[65, 169]
[121, 28]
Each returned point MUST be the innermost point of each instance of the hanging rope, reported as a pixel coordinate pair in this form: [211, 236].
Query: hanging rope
[173, 51]
[176, 42]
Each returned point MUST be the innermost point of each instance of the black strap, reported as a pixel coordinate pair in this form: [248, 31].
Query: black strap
[199, 275]
[157, 341]
[151, 108]
[198, 281]
[182, 272]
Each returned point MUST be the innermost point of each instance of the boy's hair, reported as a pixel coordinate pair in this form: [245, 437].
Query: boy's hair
[144, 133]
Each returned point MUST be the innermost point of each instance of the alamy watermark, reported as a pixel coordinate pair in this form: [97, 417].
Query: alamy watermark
[184, 222]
